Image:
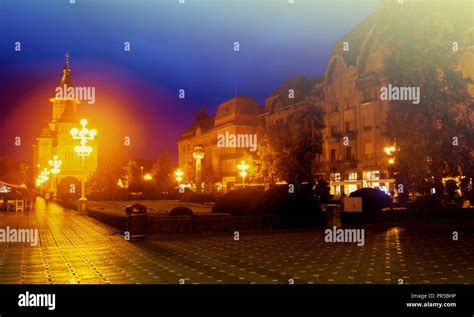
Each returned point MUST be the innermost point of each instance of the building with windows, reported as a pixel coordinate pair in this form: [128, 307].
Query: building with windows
[354, 145]
[238, 117]
[55, 138]
[355, 152]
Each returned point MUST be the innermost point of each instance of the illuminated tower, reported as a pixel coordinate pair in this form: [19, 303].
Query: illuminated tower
[55, 138]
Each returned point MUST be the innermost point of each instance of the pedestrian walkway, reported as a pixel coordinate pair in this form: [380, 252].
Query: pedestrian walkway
[74, 248]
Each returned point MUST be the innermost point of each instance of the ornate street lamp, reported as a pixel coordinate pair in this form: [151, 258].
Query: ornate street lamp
[43, 177]
[55, 164]
[83, 150]
[243, 172]
[179, 176]
[389, 150]
[198, 155]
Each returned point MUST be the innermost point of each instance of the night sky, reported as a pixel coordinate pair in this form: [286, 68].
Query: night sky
[173, 47]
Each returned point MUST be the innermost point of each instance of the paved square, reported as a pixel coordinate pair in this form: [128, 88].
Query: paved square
[74, 248]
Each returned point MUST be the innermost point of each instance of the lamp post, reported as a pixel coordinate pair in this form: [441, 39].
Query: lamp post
[44, 176]
[389, 150]
[83, 150]
[198, 155]
[243, 171]
[179, 176]
[55, 164]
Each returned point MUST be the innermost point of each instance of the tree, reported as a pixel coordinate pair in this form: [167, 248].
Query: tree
[208, 177]
[16, 173]
[296, 142]
[106, 177]
[162, 171]
[133, 176]
[435, 137]
[262, 162]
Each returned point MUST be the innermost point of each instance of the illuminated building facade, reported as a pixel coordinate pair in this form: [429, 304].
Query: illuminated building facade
[354, 155]
[239, 117]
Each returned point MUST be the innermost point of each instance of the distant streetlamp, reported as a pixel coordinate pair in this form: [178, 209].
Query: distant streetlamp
[43, 177]
[179, 176]
[243, 171]
[55, 164]
[198, 155]
[147, 177]
[389, 150]
[83, 150]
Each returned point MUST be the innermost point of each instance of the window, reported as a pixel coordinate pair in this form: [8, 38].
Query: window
[347, 126]
[348, 153]
[333, 155]
[69, 156]
[368, 94]
[348, 103]
[371, 174]
[368, 150]
[352, 176]
[335, 177]
[367, 123]
[333, 130]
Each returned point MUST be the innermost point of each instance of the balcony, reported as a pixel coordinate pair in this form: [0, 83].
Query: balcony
[350, 134]
[343, 164]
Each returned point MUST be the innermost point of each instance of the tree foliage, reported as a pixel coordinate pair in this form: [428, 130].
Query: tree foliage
[162, 172]
[16, 173]
[435, 137]
[288, 150]
[106, 177]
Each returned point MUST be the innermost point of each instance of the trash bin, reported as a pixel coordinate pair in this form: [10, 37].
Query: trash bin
[136, 221]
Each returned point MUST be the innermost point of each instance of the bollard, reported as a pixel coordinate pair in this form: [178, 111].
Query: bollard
[333, 216]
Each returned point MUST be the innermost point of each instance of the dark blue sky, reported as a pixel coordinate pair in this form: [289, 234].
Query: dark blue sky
[173, 46]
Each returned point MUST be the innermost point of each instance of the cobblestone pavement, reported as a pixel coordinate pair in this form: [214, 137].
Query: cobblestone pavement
[74, 248]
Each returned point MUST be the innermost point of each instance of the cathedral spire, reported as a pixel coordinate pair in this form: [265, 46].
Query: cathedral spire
[66, 78]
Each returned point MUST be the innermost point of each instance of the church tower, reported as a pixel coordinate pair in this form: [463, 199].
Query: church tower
[61, 104]
[55, 137]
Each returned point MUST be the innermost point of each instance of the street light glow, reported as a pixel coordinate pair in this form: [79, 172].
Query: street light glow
[55, 164]
[179, 175]
[389, 150]
[243, 171]
[84, 135]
